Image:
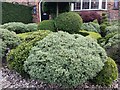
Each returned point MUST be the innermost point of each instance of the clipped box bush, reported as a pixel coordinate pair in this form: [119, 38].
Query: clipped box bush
[108, 74]
[90, 34]
[47, 25]
[65, 59]
[17, 56]
[91, 26]
[70, 22]
[2, 48]
[9, 40]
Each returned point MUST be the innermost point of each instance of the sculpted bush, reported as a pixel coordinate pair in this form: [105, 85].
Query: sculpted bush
[65, 59]
[69, 22]
[108, 74]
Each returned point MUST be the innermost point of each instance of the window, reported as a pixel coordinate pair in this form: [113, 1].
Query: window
[116, 4]
[89, 5]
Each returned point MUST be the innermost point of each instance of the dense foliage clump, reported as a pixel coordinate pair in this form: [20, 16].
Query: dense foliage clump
[65, 59]
[47, 25]
[19, 27]
[91, 26]
[93, 35]
[17, 56]
[108, 74]
[69, 22]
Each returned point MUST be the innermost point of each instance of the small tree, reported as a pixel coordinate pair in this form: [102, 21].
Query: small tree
[54, 8]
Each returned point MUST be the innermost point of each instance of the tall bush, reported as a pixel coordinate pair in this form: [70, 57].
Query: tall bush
[65, 59]
[16, 13]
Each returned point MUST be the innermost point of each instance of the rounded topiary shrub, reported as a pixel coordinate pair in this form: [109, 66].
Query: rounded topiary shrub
[17, 56]
[70, 22]
[91, 26]
[65, 59]
[108, 74]
[47, 25]
[17, 27]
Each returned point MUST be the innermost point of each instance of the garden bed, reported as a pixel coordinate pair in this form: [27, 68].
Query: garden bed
[12, 79]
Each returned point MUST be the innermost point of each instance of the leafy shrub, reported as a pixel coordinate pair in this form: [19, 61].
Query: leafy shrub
[90, 34]
[94, 27]
[47, 25]
[112, 47]
[17, 56]
[70, 22]
[2, 48]
[17, 27]
[32, 27]
[112, 29]
[65, 59]
[16, 13]
[104, 24]
[90, 16]
[108, 74]
[9, 41]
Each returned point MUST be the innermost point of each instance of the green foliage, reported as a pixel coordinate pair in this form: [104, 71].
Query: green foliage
[95, 21]
[112, 29]
[8, 40]
[16, 13]
[108, 74]
[91, 26]
[104, 24]
[51, 8]
[70, 22]
[17, 56]
[32, 27]
[47, 25]
[65, 59]
[19, 27]
[90, 34]
[2, 48]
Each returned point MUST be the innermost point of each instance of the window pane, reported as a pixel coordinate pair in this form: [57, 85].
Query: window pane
[85, 5]
[116, 4]
[103, 4]
[94, 4]
[77, 6]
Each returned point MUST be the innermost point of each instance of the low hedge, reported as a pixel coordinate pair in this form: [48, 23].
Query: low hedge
[47, 25]
[108, 74]
[65, 59]
[17, 56]
[19, 27]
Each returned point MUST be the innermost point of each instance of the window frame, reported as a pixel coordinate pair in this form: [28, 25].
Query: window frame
[81, 9]
[114, 6]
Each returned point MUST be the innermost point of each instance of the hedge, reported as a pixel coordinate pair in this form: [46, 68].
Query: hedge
[16, 13]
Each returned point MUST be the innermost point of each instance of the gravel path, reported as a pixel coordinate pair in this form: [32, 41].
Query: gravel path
[11, 79]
